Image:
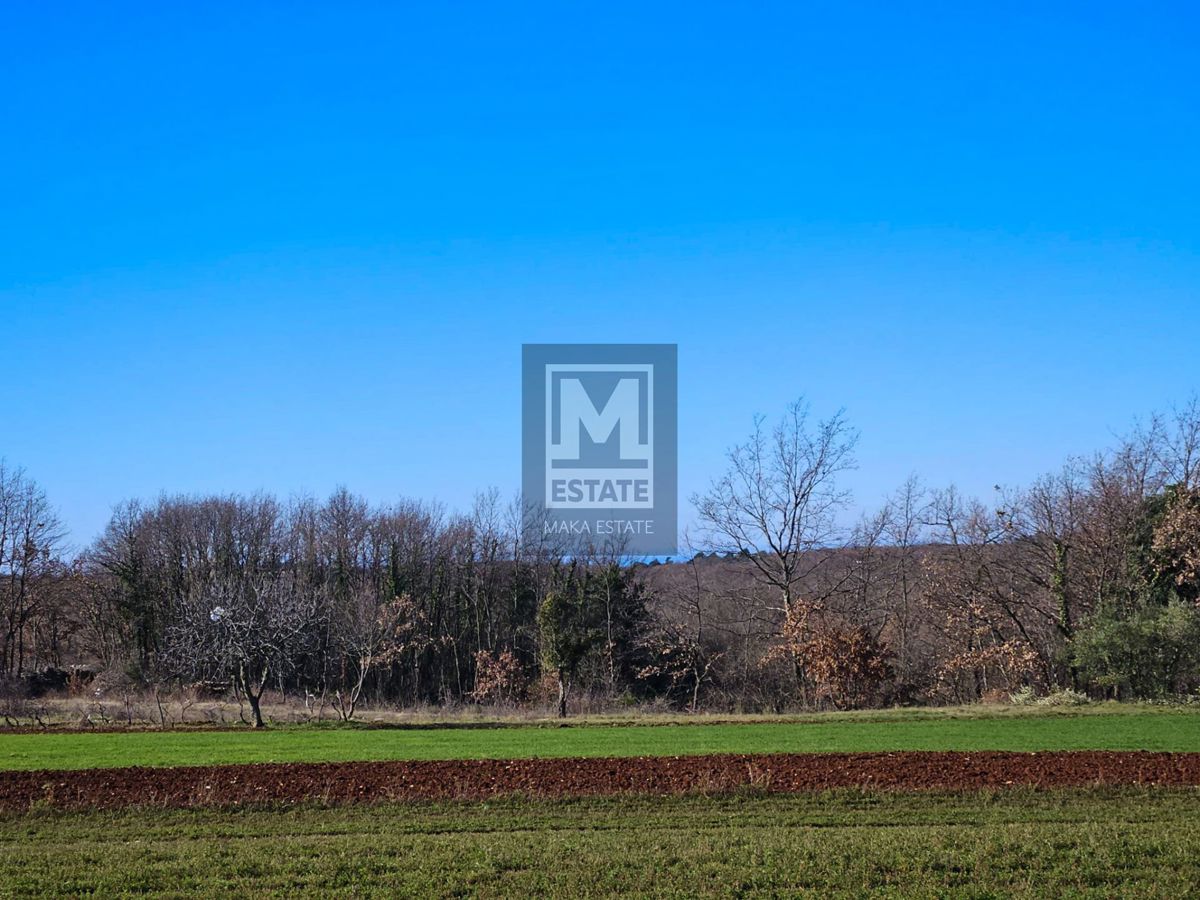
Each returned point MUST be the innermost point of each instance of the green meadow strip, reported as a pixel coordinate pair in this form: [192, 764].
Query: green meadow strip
[1134, 729]
[1103, 843]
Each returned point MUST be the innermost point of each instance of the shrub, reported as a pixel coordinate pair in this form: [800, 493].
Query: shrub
[1023, 696]
[1065, 697]
[1147, 652]
[499, 678]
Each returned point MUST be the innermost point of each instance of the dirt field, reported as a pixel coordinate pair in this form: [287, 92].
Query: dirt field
[481, 779]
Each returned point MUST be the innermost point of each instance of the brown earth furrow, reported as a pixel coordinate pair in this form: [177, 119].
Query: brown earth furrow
[283, 783]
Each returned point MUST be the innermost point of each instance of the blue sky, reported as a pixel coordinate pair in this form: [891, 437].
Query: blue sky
[287, 247]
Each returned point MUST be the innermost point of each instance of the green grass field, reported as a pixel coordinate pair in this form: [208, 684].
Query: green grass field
[1128, 842]
[1100, 842]
[1104, 728]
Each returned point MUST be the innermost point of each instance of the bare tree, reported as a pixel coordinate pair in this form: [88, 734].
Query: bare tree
[370, 635]
[681, 648]
[904, 534]
[31, 540]
[244, 630]
[1178, 450]
[240, 614]
[779, 499]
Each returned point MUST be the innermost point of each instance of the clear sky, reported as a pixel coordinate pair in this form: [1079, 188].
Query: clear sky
[289, 246]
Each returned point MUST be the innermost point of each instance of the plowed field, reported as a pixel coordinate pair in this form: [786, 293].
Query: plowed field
[288, 783]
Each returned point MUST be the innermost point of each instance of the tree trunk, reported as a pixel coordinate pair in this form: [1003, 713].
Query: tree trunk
[254, 708]
[249, 688]
[1067, 627]
[562, 695]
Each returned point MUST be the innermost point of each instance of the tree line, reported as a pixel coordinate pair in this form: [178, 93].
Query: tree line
[1084, 583]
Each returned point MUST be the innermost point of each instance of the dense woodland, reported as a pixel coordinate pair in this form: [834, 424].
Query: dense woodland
[1084, 583]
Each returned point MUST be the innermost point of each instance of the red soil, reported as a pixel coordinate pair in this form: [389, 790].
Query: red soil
[479, 779]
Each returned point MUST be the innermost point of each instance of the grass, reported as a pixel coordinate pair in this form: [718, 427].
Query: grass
[1127, 842]
[1110, 727]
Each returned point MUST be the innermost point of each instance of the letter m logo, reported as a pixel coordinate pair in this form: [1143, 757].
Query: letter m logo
[600, 422]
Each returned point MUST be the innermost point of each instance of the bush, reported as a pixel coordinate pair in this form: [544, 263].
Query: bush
[499, 678]
[1065, 697]
[1023, 696]
[1147, 652]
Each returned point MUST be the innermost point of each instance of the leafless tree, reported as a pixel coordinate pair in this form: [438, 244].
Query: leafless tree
[371, 634]
[240, 613]
[245, 630]
[904, 534]
[779, 500]
[31, 541]
[682, 648]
